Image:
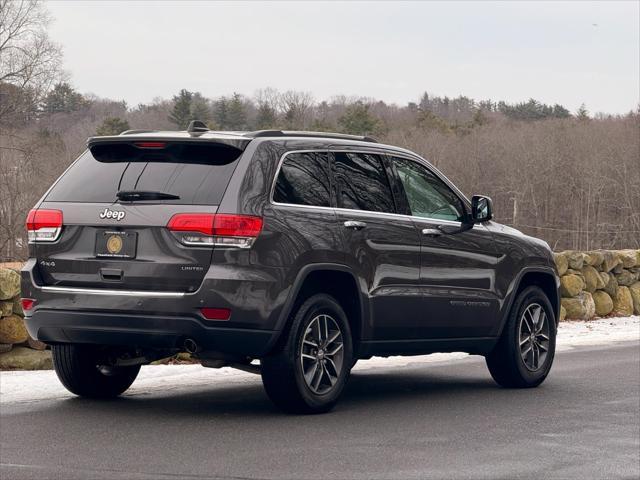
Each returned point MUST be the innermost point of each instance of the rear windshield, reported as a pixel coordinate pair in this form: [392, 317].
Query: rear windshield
[197, 173]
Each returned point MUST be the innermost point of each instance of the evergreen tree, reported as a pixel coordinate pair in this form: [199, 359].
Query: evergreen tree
[236, 113]
[63, 98]
[199, 108]
[112, 126]
[181, 113]
[266, 117]
[560, 112]
[487, 105]
[358, 120]
[322, 125]
[583, 113]
[532, 110]
[221, 113]
[430, 121]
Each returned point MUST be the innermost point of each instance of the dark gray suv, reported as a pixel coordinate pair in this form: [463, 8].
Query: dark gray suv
[303, 251]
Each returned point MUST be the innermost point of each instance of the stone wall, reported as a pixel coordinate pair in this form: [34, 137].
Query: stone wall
[599, 283]
[17, 350]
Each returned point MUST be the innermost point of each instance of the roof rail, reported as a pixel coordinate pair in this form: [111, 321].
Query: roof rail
[140, 130]
[197, 126]
[285, 133]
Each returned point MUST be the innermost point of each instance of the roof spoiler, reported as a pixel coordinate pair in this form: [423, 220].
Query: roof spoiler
[239, 143]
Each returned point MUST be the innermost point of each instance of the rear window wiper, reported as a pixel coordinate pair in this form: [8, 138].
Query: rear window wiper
[135, 195]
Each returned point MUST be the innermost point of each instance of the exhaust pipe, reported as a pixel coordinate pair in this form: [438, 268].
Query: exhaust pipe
[190, 345]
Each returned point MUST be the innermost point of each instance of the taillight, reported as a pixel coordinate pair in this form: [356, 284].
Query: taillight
[44, 225]
[222, 230]
[192, 222]
[27, 304]
[236, 225]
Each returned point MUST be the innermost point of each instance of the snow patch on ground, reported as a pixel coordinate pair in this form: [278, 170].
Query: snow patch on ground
[27, 387]
[597, 332]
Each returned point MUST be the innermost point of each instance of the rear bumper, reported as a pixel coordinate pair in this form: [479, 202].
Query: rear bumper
[160, 319]
[148, 331]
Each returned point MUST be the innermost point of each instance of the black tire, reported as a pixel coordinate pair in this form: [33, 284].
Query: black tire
[506, 363]
[77, 369]
[282, 372]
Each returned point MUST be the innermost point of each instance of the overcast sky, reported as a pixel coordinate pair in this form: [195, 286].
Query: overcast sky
[568, 53]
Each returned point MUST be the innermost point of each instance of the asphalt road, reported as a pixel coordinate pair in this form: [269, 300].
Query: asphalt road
[431, 421]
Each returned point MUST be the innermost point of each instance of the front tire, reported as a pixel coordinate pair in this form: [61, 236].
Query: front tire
[308, 373]
[79, 369]
[524, 354]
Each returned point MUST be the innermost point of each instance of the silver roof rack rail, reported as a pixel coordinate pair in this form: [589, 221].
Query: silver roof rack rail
[302, 134]
[134, 131]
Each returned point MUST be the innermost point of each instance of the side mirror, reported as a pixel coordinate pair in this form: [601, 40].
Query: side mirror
[481, 209]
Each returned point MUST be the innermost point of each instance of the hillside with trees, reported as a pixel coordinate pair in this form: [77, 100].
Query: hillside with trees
[571, 178]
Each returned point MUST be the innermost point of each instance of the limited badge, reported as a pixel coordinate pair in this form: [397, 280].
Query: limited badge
[114, 244]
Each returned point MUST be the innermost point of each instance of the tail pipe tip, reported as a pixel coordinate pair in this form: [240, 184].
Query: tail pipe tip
[190, 345]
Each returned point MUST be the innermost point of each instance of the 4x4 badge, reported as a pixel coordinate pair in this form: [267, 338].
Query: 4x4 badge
[115, 214]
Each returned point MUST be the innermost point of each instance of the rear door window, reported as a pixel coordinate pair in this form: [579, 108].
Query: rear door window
[197, 173]
[363, 183]
[303, 179]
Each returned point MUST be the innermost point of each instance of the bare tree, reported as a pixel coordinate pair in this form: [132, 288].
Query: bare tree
[572, 182]
[297, 109]
[29, 59]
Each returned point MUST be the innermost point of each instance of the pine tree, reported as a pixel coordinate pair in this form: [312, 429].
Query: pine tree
[583, 113]
[199, 108]
[63, 98]
[266, 117]
[430, 121]
[181, 113]
[358, 120]
[221, 113]
[560, 111]
[236, 113]
[112, 126]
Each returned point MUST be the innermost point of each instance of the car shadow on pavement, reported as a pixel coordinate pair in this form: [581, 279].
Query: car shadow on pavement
[367, 391]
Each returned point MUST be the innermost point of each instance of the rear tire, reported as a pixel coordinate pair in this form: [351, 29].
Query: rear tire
[77, 367]
[308, 373]
[524, 354]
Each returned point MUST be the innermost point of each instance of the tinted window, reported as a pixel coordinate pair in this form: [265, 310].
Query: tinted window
[198, 174]
[428, 196]
[363, 183]
[304, 180]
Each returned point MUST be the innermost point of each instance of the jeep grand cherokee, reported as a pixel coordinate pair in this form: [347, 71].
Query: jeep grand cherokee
[290, 254]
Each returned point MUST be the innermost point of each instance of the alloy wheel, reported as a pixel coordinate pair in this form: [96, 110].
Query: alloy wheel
[322, 354]
[534, 337]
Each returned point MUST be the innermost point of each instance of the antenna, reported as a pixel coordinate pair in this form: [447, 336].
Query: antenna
[197, 126]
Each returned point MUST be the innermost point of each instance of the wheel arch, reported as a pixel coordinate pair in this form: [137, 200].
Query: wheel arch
[544, 278]
[336, 280]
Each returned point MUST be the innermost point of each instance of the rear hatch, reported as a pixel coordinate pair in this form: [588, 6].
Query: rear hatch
[116, 201]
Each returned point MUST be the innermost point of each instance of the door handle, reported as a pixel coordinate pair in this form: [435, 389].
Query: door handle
[431, 232]
[355, 225]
